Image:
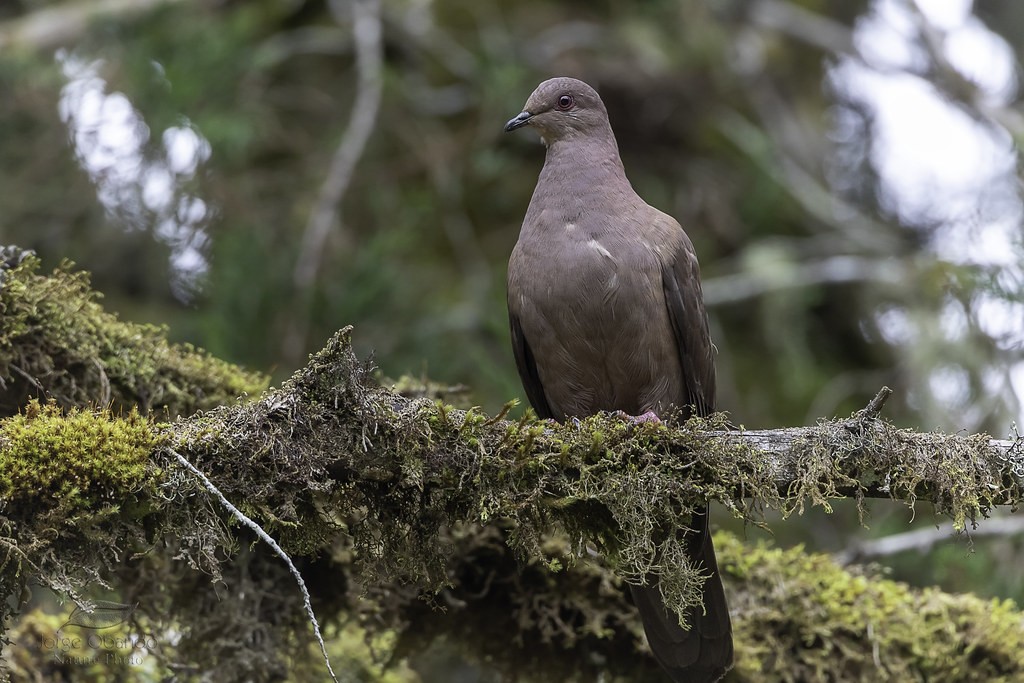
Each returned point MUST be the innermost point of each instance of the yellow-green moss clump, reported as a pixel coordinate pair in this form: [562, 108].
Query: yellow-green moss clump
[56, 341]
[801, 617]
[79, 462]
[79, 493]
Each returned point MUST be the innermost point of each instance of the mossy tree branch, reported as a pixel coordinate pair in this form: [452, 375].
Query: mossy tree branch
[384, 498]
[57, 342]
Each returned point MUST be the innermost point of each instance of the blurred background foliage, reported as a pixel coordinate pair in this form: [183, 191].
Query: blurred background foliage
[257, 174]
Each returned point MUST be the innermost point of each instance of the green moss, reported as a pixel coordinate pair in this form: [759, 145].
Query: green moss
[801, 617]
[79, 461]
[56, 341]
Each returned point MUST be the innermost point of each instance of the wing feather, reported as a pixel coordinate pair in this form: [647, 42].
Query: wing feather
[527, 367]
[680, 281]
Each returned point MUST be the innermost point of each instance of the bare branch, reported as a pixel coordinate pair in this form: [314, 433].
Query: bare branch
[733, 288]
[366, 34]
[830, 36]
[923, 540]
[53, 26]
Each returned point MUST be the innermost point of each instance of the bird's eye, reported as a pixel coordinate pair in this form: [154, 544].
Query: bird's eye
[565, 102]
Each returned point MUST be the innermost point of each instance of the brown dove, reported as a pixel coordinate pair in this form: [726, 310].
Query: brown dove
[607, 314]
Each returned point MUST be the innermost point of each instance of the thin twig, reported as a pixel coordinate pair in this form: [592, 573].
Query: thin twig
[258, 530]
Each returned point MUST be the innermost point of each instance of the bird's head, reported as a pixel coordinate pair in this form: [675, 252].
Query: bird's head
[563, 108]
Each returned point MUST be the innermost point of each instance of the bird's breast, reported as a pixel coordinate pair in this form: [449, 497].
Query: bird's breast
[593, 312]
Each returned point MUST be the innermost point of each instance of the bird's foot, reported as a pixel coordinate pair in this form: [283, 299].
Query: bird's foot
[649, 416]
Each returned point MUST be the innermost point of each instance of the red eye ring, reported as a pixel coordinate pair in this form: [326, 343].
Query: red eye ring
[565, 102]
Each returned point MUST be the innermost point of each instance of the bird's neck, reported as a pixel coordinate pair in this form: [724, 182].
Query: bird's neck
[581, 179]
[579, 151]
[582, 167]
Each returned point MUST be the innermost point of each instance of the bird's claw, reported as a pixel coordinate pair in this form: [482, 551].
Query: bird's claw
[649, 416]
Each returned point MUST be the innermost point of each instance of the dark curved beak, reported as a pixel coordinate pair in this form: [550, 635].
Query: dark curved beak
[518, 122]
